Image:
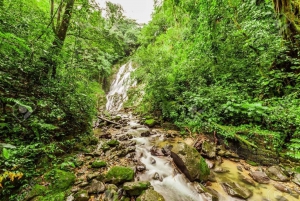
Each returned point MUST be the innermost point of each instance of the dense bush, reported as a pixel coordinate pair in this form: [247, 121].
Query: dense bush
[211, 64]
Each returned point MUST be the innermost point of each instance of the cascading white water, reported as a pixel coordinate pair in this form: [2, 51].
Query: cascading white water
[118, 90]
[172, 184]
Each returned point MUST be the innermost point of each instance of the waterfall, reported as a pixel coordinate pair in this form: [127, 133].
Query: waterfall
[118, 90]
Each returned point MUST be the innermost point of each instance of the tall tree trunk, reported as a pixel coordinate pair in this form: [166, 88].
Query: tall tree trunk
[289, 16]
[60, 30]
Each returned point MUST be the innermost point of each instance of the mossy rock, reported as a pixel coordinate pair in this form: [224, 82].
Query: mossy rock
[251, 163]
[98, 164]
[113, 143]
[150, 123]
[105, 147]
[37, 190]
[60, 180]
[119, 174]
[136, 188]
[150, 195]
[81, 195]
[51, 197]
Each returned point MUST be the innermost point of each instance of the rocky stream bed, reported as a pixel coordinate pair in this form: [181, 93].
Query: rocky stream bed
[134, 162]
[134, 159]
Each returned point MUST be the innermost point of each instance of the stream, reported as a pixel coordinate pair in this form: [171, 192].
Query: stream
[174, 186]
[143, 149]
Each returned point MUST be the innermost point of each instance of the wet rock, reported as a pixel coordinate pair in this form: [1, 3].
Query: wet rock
[220, 170]
[152, 160]
[239, 168]
[136, 188]
[212, 194]
[166, 150]
[118, 126]
[98, 164]
[190, 162]
[207, 193]
[150, 195]
[296, 190]
[230, 154]
[140, 167]
[219, 160]
[276, 173]
[212, 177]
[260, 177]
[81, 195]
[296, 179]
[281, 198]
[155, 151]
[282, 188]
[209, 149]
[246, 180]
[236, 190]
[122, 137]
[145, 134]
[106, 136]
[156, 176]
[119, 174]
[210, 164]
[95, 187]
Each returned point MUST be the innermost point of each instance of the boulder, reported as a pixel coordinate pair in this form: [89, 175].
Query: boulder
[150, 123]
[246, 180]
[276, 173]
[119, 174]
[150, 195]
[113, 143]
[81, 195]
[220, 170]
[209, 149]
[207, 193]
[136, 188]
[190, 162]
[60, 180]
[95, 187]
[296, 179]
[260, 177]
[37, 190]
[282, 188]
[236, 190]
[98, 164]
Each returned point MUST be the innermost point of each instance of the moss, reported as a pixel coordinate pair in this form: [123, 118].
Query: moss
[251, 163]
[150, 195]
[37, 190]
[98, 164]
[52, 197]
[113, 143]
[150, 122]
[119, 174]
[204, 170]
[136, 188]
[105, 147]
[60, 180]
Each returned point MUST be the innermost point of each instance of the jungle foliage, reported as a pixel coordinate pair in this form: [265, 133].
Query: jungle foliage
[54, 57]
[208, 65]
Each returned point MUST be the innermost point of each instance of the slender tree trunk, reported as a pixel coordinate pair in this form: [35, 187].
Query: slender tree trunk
[60, 30]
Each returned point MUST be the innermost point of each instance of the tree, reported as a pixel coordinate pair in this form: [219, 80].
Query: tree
[63, 17]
